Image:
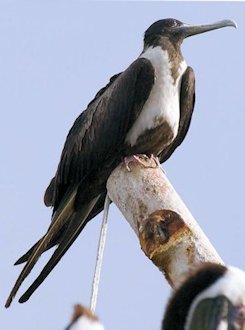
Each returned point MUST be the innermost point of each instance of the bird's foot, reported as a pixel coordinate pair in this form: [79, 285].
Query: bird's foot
[141, 159]
[156, 160]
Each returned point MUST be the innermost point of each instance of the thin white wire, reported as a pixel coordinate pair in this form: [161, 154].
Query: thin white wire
[100, 252]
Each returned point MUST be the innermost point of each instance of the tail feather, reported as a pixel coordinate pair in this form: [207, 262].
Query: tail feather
[76, 224]
[59, 219]
[56, 239]
[27, 255]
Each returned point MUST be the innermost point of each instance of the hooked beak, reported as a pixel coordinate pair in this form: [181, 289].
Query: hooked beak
[187, 30]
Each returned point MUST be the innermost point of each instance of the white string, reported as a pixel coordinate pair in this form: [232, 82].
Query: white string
[100, 252]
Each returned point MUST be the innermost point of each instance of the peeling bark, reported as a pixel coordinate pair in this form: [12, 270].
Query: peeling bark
[169, 235]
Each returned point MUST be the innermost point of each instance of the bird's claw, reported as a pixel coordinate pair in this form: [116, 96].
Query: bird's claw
[141, 159]
[156, 160]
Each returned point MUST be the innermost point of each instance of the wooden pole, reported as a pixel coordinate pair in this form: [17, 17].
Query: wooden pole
[168, 233]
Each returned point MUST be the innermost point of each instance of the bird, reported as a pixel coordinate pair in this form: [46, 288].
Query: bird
[146, 109]
[84, 319]
[211, 298]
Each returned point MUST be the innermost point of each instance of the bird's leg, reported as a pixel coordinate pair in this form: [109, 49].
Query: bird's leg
[156, 160]
[141, 159]
[135, 159]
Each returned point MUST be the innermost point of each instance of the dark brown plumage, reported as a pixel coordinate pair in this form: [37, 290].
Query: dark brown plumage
[211, 298]
[97, 142]
[179, 305]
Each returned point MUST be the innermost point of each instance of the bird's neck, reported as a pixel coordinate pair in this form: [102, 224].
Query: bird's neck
[165, 57]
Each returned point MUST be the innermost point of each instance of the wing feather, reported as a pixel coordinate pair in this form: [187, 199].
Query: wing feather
[101, 129]
[96, 136]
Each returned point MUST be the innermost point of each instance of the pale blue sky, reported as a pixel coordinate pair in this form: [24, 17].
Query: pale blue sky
[54, 56]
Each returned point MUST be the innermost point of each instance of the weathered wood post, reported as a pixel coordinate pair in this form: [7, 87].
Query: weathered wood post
[168, 233]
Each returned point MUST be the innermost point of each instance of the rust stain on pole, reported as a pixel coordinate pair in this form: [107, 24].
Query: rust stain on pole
[161, 235]
[158, 228]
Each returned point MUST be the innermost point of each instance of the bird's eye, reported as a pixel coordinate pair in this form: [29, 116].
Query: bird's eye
[171, 23]
[174, 23]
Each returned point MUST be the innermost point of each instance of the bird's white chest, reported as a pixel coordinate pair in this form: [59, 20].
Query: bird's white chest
[163, 102]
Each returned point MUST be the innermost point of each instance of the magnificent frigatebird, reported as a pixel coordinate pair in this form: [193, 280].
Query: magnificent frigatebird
[146, 109]
[212, 298]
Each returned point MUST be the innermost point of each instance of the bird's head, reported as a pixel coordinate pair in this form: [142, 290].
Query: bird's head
[176, 31]
[212, 298]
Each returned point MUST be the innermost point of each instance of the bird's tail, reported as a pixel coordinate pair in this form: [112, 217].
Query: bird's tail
[57, 238]
[27, 255]
[74, 228]
[64, 213]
